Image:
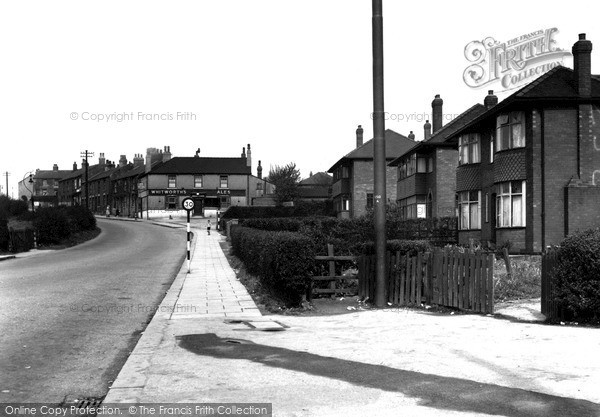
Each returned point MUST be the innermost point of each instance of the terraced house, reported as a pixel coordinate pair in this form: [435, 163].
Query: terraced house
[529, 168]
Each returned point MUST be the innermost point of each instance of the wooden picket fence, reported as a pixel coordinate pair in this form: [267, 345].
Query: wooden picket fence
[460, 280]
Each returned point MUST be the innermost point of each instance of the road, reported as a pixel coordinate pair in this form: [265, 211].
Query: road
[69, 318]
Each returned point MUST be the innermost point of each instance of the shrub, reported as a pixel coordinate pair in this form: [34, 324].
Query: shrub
[283, 261]
[51, 224]
[10, 207]
[300, 209]
[577, 276]
[80, 218]
[4, 235]
[405, 247]
[525, 281]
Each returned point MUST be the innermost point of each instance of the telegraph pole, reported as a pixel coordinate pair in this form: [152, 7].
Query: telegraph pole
[379, 153]
[85, 155]
[6, 174]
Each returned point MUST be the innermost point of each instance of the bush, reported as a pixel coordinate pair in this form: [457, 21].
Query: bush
[525, 281]
[51, 224]
[4, 235]
[80, 219]
[10, 207]
[300, 209]
[405, 247]
[283, 261]
[577, 276]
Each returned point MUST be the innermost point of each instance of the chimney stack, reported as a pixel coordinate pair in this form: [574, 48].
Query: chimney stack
[437, 114]
[55, 167]
[427, 129]
[259, 170]
[249, 158]
[359, 136]
[243, 152]
[411, 135]
[101, 159]
[74, 166]
[122, 161]
[490, 100]
[197, 153]
[138, 160]
[167, 154]
[582, 66]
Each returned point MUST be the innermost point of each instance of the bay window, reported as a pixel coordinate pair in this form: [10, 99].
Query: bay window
[510, 204]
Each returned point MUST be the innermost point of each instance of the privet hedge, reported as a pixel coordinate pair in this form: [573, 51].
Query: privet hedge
[577, 276]
[300, 209]
[54, 224]
[283, 261]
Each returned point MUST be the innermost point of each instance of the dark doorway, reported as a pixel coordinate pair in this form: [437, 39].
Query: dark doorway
[198, 206]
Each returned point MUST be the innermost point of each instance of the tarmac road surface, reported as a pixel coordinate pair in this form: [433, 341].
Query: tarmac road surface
[69, 318]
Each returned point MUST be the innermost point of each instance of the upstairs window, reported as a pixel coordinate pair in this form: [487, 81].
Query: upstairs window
[197, 181]
[172, 181]
[223, 181]
[510, 131]
[469, 150]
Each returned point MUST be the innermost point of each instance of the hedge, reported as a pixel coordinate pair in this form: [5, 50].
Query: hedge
[577, 276]
[300, 209]
[54, 224]
[4, 234]
[283, 261]
[10, 207]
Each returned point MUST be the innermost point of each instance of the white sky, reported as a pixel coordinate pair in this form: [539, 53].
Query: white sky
[291, 77]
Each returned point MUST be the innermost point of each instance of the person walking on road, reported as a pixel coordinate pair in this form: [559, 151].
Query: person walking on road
[208, 227]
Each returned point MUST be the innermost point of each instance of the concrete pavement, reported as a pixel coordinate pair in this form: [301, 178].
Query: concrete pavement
[206, 344]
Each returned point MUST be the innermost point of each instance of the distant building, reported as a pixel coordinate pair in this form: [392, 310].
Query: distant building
[44, 188]
[317, 187]
[353, 174]
[71, 188]
[215, 184]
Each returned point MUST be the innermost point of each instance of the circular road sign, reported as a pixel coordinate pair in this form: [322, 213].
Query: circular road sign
[188, 204]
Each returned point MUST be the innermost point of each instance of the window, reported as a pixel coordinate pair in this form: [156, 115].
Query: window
[259, 186]
[345, 172]
[468, 149]
[469, 209]
[223, 181]
[197, 181]
[413, 207]
[172, 181]
[510, 131]
[171, 203]
[369, 200]
[345, 203]
[421, 164]
[510, 205]
[413, 164]
[492, 148]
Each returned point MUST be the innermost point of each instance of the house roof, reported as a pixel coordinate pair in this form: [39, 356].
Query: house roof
[318, 179]
[51, 174]
[556, 85]
[102, 174]
[128, 171]
[395, 144]
[438, 139]
[201, 165]
[93, 170]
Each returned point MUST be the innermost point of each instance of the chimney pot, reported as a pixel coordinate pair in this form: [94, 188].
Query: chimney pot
[490, 100]
[359, 136]
[437, 113]
[411, 135]
[427, 129]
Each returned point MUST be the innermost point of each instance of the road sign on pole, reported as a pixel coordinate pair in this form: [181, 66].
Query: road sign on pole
[188, 205]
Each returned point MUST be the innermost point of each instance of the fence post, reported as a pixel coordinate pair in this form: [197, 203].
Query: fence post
[331, 269]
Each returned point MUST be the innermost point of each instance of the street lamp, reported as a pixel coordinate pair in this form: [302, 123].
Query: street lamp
[30, 173]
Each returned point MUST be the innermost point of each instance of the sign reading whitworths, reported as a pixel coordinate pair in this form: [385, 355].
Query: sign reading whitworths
[512, 63]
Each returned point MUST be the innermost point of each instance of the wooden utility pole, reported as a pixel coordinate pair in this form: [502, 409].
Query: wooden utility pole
[85, 154]
[379, 154]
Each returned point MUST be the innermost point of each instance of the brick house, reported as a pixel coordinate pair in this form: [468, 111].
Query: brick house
[215, 183]
[316, 187]
[529, 167]
[44, 188]
[71, 188]
[427, 172]
[124, 187]
[352, 188]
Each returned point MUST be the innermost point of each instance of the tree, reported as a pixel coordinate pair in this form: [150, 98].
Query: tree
[286, 179]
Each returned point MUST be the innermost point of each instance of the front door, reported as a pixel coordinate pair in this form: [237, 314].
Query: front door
[198, 206]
